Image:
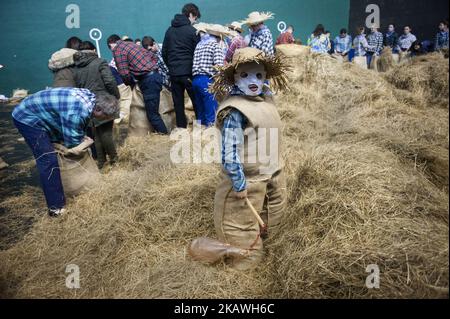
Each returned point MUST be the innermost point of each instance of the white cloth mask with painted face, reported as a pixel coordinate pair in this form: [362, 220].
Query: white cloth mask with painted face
[250, 77]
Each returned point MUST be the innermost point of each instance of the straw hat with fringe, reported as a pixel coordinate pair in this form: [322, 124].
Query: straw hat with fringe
[276, 67]
[217, 30]
[201, 27]
[257, 18]
[236, 26]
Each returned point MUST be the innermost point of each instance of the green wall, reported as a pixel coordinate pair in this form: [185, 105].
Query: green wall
[31, 30]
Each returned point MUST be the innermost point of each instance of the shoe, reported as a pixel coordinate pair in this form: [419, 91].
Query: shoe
[56, 212]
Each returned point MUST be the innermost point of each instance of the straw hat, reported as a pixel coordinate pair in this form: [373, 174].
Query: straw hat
[257, 17]
[275, 66]
[201, 27]
[217, 30]
[236, 26]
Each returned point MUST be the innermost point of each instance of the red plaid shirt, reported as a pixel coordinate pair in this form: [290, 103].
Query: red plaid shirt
[285, 38]
[237, 43]
[133, 60]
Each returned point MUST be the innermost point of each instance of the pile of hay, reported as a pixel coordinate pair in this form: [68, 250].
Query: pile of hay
[367, 181]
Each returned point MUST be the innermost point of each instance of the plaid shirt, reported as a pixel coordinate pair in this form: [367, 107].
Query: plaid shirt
[262, 40]
[237, 43]
[406, 41]
[207, 55]
[163, 69]
[343, 44]
[360, 45]
[375, 41]
[441, 41]
[232, 143]
[63, 113]
[285, 38]
[133, 60]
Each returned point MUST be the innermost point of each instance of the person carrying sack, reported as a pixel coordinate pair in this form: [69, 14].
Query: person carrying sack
[60, 116]
[134, 62]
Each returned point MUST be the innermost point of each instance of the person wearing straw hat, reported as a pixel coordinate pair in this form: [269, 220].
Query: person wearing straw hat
[250, 183]
[261, 37]
[207, 56]
[237, 42]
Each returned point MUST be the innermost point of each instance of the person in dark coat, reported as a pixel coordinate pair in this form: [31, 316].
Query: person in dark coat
[93, 73]
[178, 49]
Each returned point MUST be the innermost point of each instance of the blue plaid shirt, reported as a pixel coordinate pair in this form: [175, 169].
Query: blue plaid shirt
[441, 41]
[343, 44]
[63, 113]
[232, 142]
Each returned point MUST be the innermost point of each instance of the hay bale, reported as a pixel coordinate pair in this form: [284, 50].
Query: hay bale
[386, 60]
[3, 164]
[424, 76]
[293, 50]
[365, 185]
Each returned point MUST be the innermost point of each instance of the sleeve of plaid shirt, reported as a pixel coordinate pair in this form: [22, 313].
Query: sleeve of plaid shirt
[379, 44]
[232, 139]
[121, 58]
[231, 51]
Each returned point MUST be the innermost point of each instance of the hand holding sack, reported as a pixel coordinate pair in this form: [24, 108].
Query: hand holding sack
[78, 169]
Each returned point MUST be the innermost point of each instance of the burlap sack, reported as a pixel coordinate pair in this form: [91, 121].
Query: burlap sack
[211, 251]
[126, 96]
[360, 61]
[396, 58]
[78, 173]
[167, 110]
[139, 124]
[386, 60]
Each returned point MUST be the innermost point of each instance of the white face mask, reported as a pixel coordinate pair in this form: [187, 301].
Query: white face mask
[250, 77]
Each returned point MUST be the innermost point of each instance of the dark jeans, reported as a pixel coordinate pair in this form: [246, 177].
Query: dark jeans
[46, 162]
[369, 56]
[104, 144]
[151, 86]
[179, 85]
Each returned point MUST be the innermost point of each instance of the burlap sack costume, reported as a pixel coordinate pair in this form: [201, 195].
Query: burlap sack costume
[266, 186]
[78, 172]
[139, 124]
[126, 96]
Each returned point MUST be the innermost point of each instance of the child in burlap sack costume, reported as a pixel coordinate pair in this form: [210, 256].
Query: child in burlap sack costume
[249, 105]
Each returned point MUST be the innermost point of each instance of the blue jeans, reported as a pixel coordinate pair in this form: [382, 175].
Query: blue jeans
[151, 86]
[206, 104]
[46, 162]
[369, 56]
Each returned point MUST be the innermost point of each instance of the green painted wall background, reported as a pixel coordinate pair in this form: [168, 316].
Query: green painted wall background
[31, 30]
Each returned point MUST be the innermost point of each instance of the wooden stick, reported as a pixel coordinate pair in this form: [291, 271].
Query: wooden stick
[260, 221]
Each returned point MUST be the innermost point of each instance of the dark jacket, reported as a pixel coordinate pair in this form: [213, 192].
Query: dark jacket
[391, 40]
[179, 46]
[64, 78]
[94, 74]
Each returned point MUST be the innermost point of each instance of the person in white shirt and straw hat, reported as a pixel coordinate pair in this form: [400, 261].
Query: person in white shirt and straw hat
[261, 37]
